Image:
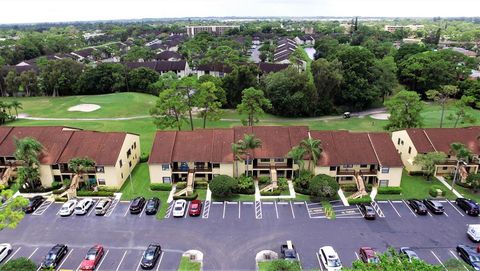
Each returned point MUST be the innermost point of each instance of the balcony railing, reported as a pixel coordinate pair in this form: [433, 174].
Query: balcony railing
[197, 169]
[346, 172]
[368, 172]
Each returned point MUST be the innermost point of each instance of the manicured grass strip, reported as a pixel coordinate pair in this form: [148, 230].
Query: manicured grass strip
[328, 209]
[467, 193]
[279, 265]
[187, 265]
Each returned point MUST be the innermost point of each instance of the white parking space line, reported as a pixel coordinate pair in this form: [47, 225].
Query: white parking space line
[64, 259]
[308, 211]
[112, 207]
[428, 212]
[282, 203]
[121, 261]
[360, 212]
[276, 209]
[232, 202]
[409, 208]
[206, 209]
[138, 265]
[248, 203]
[13, 254]
[186, 210]
[103, 259]
[319, 262]
[445, 213]
[224, 206]
[239, 209]
[456, 209]
[217, 202]
[291, 208]
[395, 209]
[126, 211]
[91, 209]
[160, 261]
[268, 203]
[143, 209]
[31, 255]
[299, 202]
[455, 256]
[438, 259]
[43, 207]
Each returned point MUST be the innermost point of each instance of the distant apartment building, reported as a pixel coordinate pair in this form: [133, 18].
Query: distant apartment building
[411, 27]
[212, 29]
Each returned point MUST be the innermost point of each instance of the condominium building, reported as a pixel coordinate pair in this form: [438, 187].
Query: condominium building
[212, 29]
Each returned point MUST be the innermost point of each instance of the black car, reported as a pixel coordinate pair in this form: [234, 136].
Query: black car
[470, 207]
[417, 206]
[152, 206]
[434, 206]
[288, 251]
[367, 211]
[150, 256]
[33, 204]
[54, 256]
[469, 255]
[137, 204]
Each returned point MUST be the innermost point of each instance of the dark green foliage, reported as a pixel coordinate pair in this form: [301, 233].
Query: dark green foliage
[161, 186]
[222, 186]
[365, 199]
[104, 78]
[323, 186]
[392, 190]
[19, 264]
[433, 190]
[242, 77]
[139, 79]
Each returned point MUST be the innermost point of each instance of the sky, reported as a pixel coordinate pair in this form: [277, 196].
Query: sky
[31, 11]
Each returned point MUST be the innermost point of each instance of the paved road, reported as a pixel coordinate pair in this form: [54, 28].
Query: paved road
[230, 234]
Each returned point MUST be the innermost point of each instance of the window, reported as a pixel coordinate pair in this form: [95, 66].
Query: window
[398, 142]
[130, 163]
[100, 169]
[129, 152]
[363, 166]
[348, 166]
[402, 142]
[383, 183]
[56, 166]
[135, 144]
[101, 182]
[121, 175]
[215, 165]
[444, 168]
[264, 160]
[120, 163]
[333, 168]
[165, 167]
[409, 150]
[279, 160]
[167, 179]
[385, 169]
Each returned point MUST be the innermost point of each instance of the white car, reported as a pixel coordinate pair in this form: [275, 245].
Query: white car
[179, 208]
[473, 232]
[68, 207]
[5, 250]
[83, 206]
[329, 258]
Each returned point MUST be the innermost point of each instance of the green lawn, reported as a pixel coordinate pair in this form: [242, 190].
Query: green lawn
[467, 193]
[140, 186]
[271, 265]
[187, 265]
[414, 187]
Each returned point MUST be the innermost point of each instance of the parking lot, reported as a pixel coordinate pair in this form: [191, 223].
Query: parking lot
[231, 233]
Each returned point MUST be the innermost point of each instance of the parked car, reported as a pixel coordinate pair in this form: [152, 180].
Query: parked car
[150, 256]
[368, 255]
[330, 259]
[54, 256]
[367, 211]
[434, 206]
[418, 206]
[136, 206]
[33, 204]
[469, 255]
[5, 250]
[409, 253]
[68, 207]
[92, 259]
[288, 251]
[473, 232]
[83, 206]
[470, 207]
[152, 206]
[195, 208]
[102, 206]
[179, 208]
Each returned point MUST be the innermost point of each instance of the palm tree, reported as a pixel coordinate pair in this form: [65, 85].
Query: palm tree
[461, 151]
[296, 154]
[313, 148]
[16, 105]
[28, 150]
[80, 166]
[238, 152]
[249, 142]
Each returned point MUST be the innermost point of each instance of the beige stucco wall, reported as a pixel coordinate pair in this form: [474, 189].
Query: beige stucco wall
[402, 149]
[226, 169]
[324, 170]
[157, 173]
[46, 176]
[394, 176]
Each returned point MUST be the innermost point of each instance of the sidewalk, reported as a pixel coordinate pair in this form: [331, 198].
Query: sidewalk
[442, 180]
[343, 198]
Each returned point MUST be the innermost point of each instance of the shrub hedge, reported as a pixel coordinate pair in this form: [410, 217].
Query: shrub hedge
[201, 185]
[61, 199]
[161, 186]
[181, 185]
[107, 188]
[365, 199]
[276, 192]
[433, 190]
[94, 194]
[247, 191]
[191, 197]
[144, 157]
[389, 190]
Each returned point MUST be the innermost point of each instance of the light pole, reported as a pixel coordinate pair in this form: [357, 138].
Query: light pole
[456, 172]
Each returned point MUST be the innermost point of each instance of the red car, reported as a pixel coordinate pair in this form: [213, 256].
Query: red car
[195, 208]
[368, 255]
[92, 259]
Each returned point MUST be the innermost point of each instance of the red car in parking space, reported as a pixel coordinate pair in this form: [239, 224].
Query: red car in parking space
[92, 259]
[368, 255]
[195, 208]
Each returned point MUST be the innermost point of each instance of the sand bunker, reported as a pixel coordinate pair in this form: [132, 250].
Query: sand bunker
[382, 116]
[85, 107]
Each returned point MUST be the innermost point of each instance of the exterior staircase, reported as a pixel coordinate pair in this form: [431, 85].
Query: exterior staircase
[463, 173]
[181, 192]
[72, 190]
[269, 187]
[274, 178]
[190, 185]
[9, 172]
[360, 186]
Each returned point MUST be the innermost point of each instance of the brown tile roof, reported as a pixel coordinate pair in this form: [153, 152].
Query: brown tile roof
[345, 148]
[214, 145]
[217, 67]
[62, 143]
[439, 139]
[166, 55]
[103, 148]
[271, 67]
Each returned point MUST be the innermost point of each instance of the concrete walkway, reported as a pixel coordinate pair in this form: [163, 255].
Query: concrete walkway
[374, 192]
[257, 190]
[208, 197]
[172, 192]
[442, 180]
[290, 188]
[343, 198]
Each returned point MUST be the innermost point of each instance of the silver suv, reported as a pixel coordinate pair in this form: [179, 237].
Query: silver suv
[102, 206]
